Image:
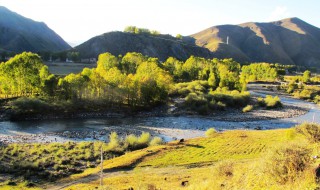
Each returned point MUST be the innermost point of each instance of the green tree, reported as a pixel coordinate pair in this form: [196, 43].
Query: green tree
[306, 76]
[20, 76]
[174, 67]
[105, 62]
[154, 82]
[131, 61]
[179, 36]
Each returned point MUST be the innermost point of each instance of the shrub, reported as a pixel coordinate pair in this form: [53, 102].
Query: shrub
[287, 163]
[261, 102]
[247, 108]
[231, 98]
[269, 102]
[272, 102]
[27, 105]
[316, 99]
[144, 139]
[156, 141]
[114, 143]
[210, 132]
[131, 141]
[304, 94]
[310, 130]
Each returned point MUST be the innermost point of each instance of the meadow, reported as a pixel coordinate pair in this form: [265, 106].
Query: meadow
[240, 159]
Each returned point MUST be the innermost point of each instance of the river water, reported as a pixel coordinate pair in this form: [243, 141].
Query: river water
[167, 127]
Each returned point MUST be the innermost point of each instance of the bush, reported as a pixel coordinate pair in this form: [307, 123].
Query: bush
[211, 132]
[304, 94]
[231, 98]
[131, 141]
[272, 102]
[29, 105]
[269, 102]
[261, 102]
[316, 99]
[247, 108]
[286, 164]
[156, 141]
[114, 142]
[310, 130]
[144, 139]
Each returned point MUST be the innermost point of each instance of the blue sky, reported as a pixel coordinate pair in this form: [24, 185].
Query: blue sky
[78, 20]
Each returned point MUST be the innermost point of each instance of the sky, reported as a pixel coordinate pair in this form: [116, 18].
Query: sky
[77, 21]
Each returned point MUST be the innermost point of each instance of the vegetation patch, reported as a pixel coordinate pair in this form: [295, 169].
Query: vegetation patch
[270, 102]
[49, 162]
[272, 159]
[248, 108]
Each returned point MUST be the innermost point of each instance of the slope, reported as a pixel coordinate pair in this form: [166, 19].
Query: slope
[160, 46]
[18, 34]
[288, 41]
[232, 160]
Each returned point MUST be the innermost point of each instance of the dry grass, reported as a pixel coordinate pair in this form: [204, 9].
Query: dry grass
[229, 160]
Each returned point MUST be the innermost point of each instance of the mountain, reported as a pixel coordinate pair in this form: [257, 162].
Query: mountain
[160, 46]
[288, 41]
[18, 34]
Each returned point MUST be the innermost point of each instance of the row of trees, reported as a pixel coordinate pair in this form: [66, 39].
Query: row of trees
[259, 72]
[133, 80]
[136, 30]
[218, 73]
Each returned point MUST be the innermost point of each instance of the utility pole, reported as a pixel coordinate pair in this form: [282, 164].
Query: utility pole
[313, 118]
[101, 172]
[227, 40]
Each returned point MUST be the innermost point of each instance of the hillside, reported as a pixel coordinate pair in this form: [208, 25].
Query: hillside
[18, 34]
[160, 46]
[288, 41]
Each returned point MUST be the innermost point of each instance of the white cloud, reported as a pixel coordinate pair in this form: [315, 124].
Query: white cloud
[280, 12]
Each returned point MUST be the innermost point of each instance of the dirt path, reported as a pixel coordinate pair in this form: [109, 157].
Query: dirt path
[87, 179]
[112, 171]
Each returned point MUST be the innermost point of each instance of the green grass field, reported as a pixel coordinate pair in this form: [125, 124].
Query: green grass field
[272, 159]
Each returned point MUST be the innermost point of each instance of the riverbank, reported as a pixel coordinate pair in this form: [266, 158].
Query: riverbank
[162, 121]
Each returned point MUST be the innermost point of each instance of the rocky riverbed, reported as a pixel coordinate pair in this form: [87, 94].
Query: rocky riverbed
[159, 123]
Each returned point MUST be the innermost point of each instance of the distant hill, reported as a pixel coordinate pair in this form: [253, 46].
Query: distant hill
[18, 34]
[160, 46]
[288, 41]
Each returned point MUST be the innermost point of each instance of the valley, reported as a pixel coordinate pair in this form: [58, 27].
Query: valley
[232, 106]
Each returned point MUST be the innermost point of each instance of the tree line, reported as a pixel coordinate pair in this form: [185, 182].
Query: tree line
[133, 80]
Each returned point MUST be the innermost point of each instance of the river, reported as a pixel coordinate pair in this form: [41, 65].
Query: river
[167, 127]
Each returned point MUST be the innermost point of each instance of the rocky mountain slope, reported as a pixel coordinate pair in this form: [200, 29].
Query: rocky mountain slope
[18, 34]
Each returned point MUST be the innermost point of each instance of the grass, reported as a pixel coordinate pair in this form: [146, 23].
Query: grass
[67, 68]
[239, 159]
[229, 160]
[41, 163]
[51, 161]
[20, 186]
[229, 145]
